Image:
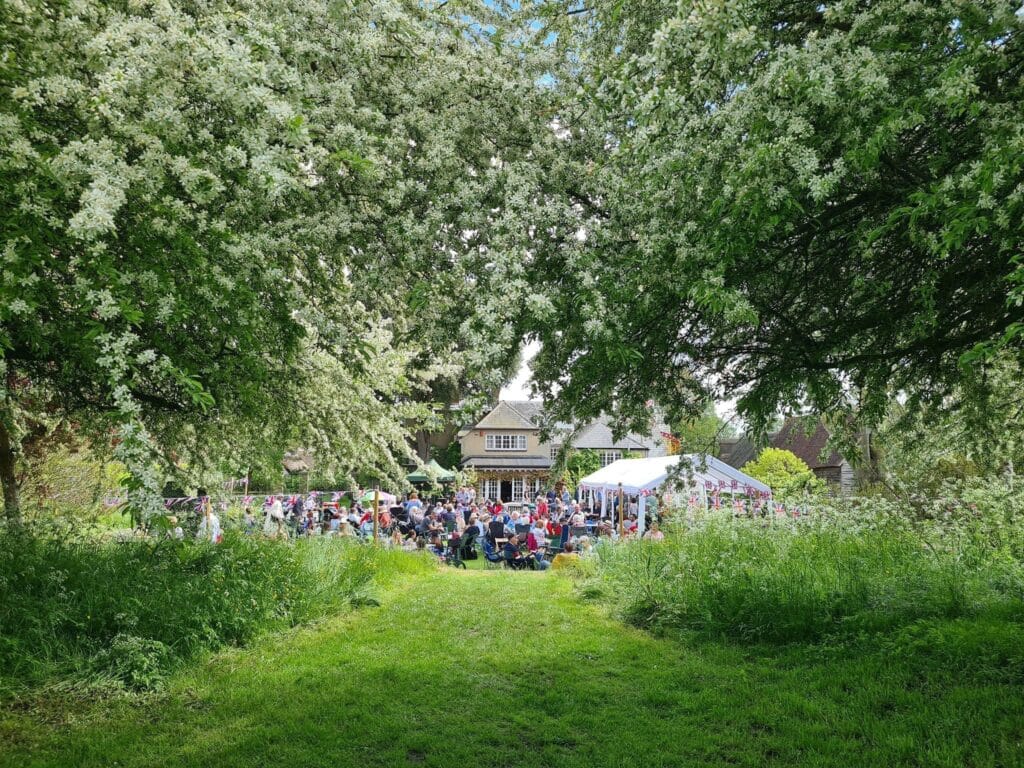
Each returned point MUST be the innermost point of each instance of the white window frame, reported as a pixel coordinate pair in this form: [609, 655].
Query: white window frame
[607, 457]
[554, 451]
[505, 442]
[517, 488]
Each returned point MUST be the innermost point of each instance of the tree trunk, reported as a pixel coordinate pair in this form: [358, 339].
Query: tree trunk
[423, 444]
[8, 478]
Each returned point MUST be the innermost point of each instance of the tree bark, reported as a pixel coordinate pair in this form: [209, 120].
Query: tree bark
[8, 477]
[423, 444]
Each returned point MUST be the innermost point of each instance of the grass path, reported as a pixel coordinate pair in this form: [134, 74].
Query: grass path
[509, 669]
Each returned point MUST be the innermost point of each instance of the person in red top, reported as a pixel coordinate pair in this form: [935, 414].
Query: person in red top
[542, 507]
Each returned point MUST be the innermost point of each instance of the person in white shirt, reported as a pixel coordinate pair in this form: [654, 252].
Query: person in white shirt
[209, 526]
[273, 525]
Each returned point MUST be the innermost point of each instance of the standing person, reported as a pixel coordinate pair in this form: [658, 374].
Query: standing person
[176, 531]
[248, 520]
[542, 507]
[209, 526]
[412, 502]
[273, 525]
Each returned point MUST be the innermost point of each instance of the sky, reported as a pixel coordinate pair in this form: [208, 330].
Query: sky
[519, 387]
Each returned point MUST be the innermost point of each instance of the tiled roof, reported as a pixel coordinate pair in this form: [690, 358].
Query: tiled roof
[598, 435]
[737, 451]
[512, 414]
[793, 437]
[527, 414]
[506, 462]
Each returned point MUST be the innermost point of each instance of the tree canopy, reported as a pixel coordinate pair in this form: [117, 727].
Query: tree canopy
[231, 227]
[797, 204]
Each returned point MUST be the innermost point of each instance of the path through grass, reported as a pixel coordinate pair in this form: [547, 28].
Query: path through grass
[510, 669]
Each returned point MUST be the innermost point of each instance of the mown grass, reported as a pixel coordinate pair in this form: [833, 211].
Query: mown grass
[511, 669]
[83, 613]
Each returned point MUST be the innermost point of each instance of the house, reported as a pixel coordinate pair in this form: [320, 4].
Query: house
[512, 463]
[737, 451]
[831, 467]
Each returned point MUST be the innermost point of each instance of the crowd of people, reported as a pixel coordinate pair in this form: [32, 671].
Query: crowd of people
[553, 529]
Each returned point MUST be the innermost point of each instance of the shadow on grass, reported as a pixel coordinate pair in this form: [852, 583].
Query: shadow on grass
[505, 669]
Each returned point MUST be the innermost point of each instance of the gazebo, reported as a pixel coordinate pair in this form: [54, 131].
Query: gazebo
[642, 477]
[432, 472]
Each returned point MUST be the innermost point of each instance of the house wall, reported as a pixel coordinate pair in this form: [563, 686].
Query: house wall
[474, 444]
[841, 478]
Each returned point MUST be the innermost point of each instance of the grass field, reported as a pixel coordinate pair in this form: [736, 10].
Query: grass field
[475, 668]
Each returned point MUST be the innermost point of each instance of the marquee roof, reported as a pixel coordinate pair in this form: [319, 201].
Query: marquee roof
[639, 475]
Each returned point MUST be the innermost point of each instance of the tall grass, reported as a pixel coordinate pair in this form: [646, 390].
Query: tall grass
[801, 580]
[126, 612]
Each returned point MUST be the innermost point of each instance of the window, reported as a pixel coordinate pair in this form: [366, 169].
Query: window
[607, 457]
[489, 490]
[517, 489]
[554, 451]
[506, 442]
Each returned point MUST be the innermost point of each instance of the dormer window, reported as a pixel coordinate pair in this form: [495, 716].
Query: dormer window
[506, 442]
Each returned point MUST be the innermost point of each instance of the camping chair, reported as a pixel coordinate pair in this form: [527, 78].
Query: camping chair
[522, 531]
[467, 543]
[494, 560]
[453, 553]
[495, 531]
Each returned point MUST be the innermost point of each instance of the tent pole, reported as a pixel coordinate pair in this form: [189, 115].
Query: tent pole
[641, 517]
[376, 513]
[622, 515]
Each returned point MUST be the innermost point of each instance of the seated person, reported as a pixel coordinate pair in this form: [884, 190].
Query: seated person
[513, 556]
[436, 546]
[513, 521]
[654, 533]
[567, 558]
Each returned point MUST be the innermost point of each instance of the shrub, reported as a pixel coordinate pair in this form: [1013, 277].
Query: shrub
[72, 605]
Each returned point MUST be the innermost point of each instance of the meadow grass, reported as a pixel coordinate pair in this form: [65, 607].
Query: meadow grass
[469, 668]
[804, 580]
[87, 612]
